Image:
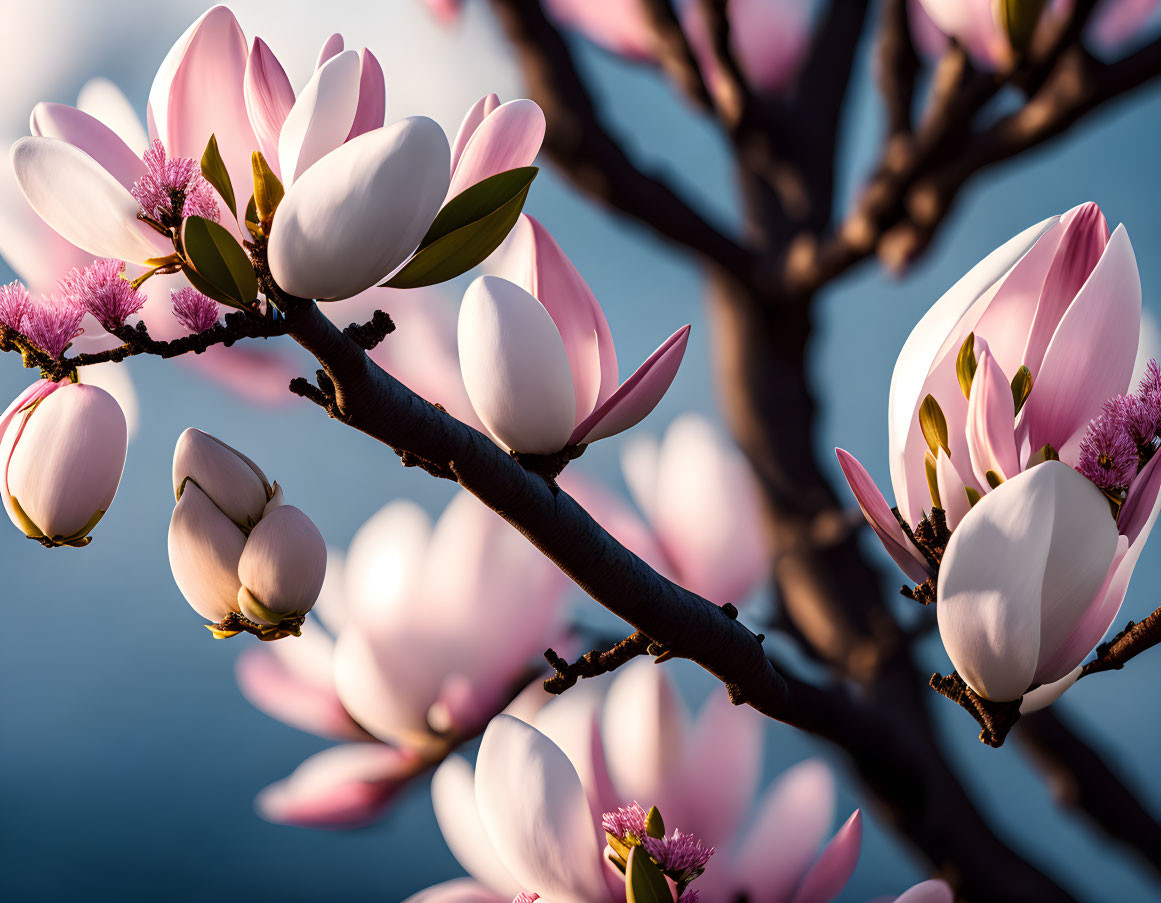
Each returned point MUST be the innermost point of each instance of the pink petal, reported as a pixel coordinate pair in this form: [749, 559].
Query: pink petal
[1085, 236]
[971, 23]
[509, 137]
[331, 47]
[1141, 503]
[30, 246]
[617, 25]
[768, 37]
[372, 106]
[952, 494]
[271, 685]
[1091, 354]
[461, 890]
[341, 787]
[638, 395]
[882, 519]
[199, 91]
[1119, 21]
[321, 117]
[103, 100]
[55, 120]
[793, 817]
[471, 122]
[933, 891]
[269, 97]
[991, 421]
[536, 262]
[830, 874]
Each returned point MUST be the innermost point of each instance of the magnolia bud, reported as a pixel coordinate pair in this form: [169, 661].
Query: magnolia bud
[204, 549]
[282, 567]
[65, 453]
[235, 484]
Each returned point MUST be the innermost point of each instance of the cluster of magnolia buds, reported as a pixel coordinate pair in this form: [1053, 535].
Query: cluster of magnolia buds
[243, 559]
[63, 446]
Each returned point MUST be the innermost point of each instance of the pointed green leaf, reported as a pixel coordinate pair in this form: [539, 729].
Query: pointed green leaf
[934, 425]
[219, 262]
[644, 882]
[1021, 386]
[469, 228]
[268, 190]
[654, 826]
[965, 364]
[1045, 453]
[973, 495]
[994, 479]
[214, 170]
[253, 225]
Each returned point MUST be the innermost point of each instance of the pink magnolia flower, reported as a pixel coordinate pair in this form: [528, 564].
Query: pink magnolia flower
[1037, 565]
[493, 138]
[532, 816]
[703, 521]
[973, 23]
[410, 651]
[234, 546]
[63, 445]
[537, 355]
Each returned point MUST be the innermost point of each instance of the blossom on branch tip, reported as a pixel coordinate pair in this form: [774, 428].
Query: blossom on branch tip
[63, 446]
[242, 558]
[537, 355]
[52, 323]
[193, 310]
[172, 189]
[102, 290]
[678, 852]
[15, 302]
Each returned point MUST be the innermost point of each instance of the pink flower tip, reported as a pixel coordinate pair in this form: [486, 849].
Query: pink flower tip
[678, 852]
[1108, 454]
[52, 323]
[14, 305]
[173, 189]
[525, 897]
[626, 822]
[102, 290]
[193, 310]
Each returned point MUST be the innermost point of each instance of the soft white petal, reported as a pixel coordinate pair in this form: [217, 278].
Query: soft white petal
[321, 116]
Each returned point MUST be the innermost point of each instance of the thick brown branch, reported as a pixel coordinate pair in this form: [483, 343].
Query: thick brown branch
[681, 622]
[898, 66]
[591, 157]
[1081, 778]
[673, 51]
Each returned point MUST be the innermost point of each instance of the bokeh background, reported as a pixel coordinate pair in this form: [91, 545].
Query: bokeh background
[128, 758]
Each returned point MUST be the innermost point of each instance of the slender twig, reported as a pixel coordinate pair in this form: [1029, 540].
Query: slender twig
[595, 663]
[899, 65]
[1126, 645]
[673, 51]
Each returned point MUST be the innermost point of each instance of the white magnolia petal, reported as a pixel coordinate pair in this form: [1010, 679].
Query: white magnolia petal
[232, 481]
[360, 211]
[515, 367]
[204, 549]
[385, 562]
[84, 203]
[101, 98]
[283, 563]
[57, 120]
[1044, 696]
[536, 814]
[321, 116]
[453, 795]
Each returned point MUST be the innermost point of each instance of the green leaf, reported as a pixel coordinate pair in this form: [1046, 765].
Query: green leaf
[965, 364]
[993, 478]
[217, 261]
[1045, 453]
[253, 226]
[654, 826]
[934, 425]
[268, 191]
[644, 882]
[932, 480]
[1021, 387]
[214, 170]
[973, 495]
[469, 228]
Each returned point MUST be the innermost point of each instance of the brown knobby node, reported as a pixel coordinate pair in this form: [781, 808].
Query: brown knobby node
[368, 335]
[549, 467]
[1130, 642]
[595, 663]
[235, 623]
[996, 719]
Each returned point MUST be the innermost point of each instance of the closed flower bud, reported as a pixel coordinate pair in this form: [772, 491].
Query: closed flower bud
[65, 452]
[234, 483]
[282, 567]
[204, 549]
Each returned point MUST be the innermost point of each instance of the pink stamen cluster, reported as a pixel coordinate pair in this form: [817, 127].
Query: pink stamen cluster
[1123, 438]
[102, 290]
[193, 310]
[52, 323]
[626, 823]
[526, 897]
[1144, 417]
[170, 184]
[678, 852]
[690, 896]
[14, 305]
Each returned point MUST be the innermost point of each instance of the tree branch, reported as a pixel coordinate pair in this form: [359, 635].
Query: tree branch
[1081, 779]
[674, 53]
[899, 66]
[592, 158]
[1129, 643]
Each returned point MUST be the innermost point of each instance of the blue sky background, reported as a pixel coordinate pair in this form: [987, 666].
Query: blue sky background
[129, 760]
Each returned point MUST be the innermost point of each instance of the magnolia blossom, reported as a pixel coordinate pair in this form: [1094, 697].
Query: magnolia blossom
[63, 445]
[495, 137]
[234, 547]
[1027, 359]
[974, 24]
[532, 817]
[703, 522]
[405, 649]
[537, 355]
